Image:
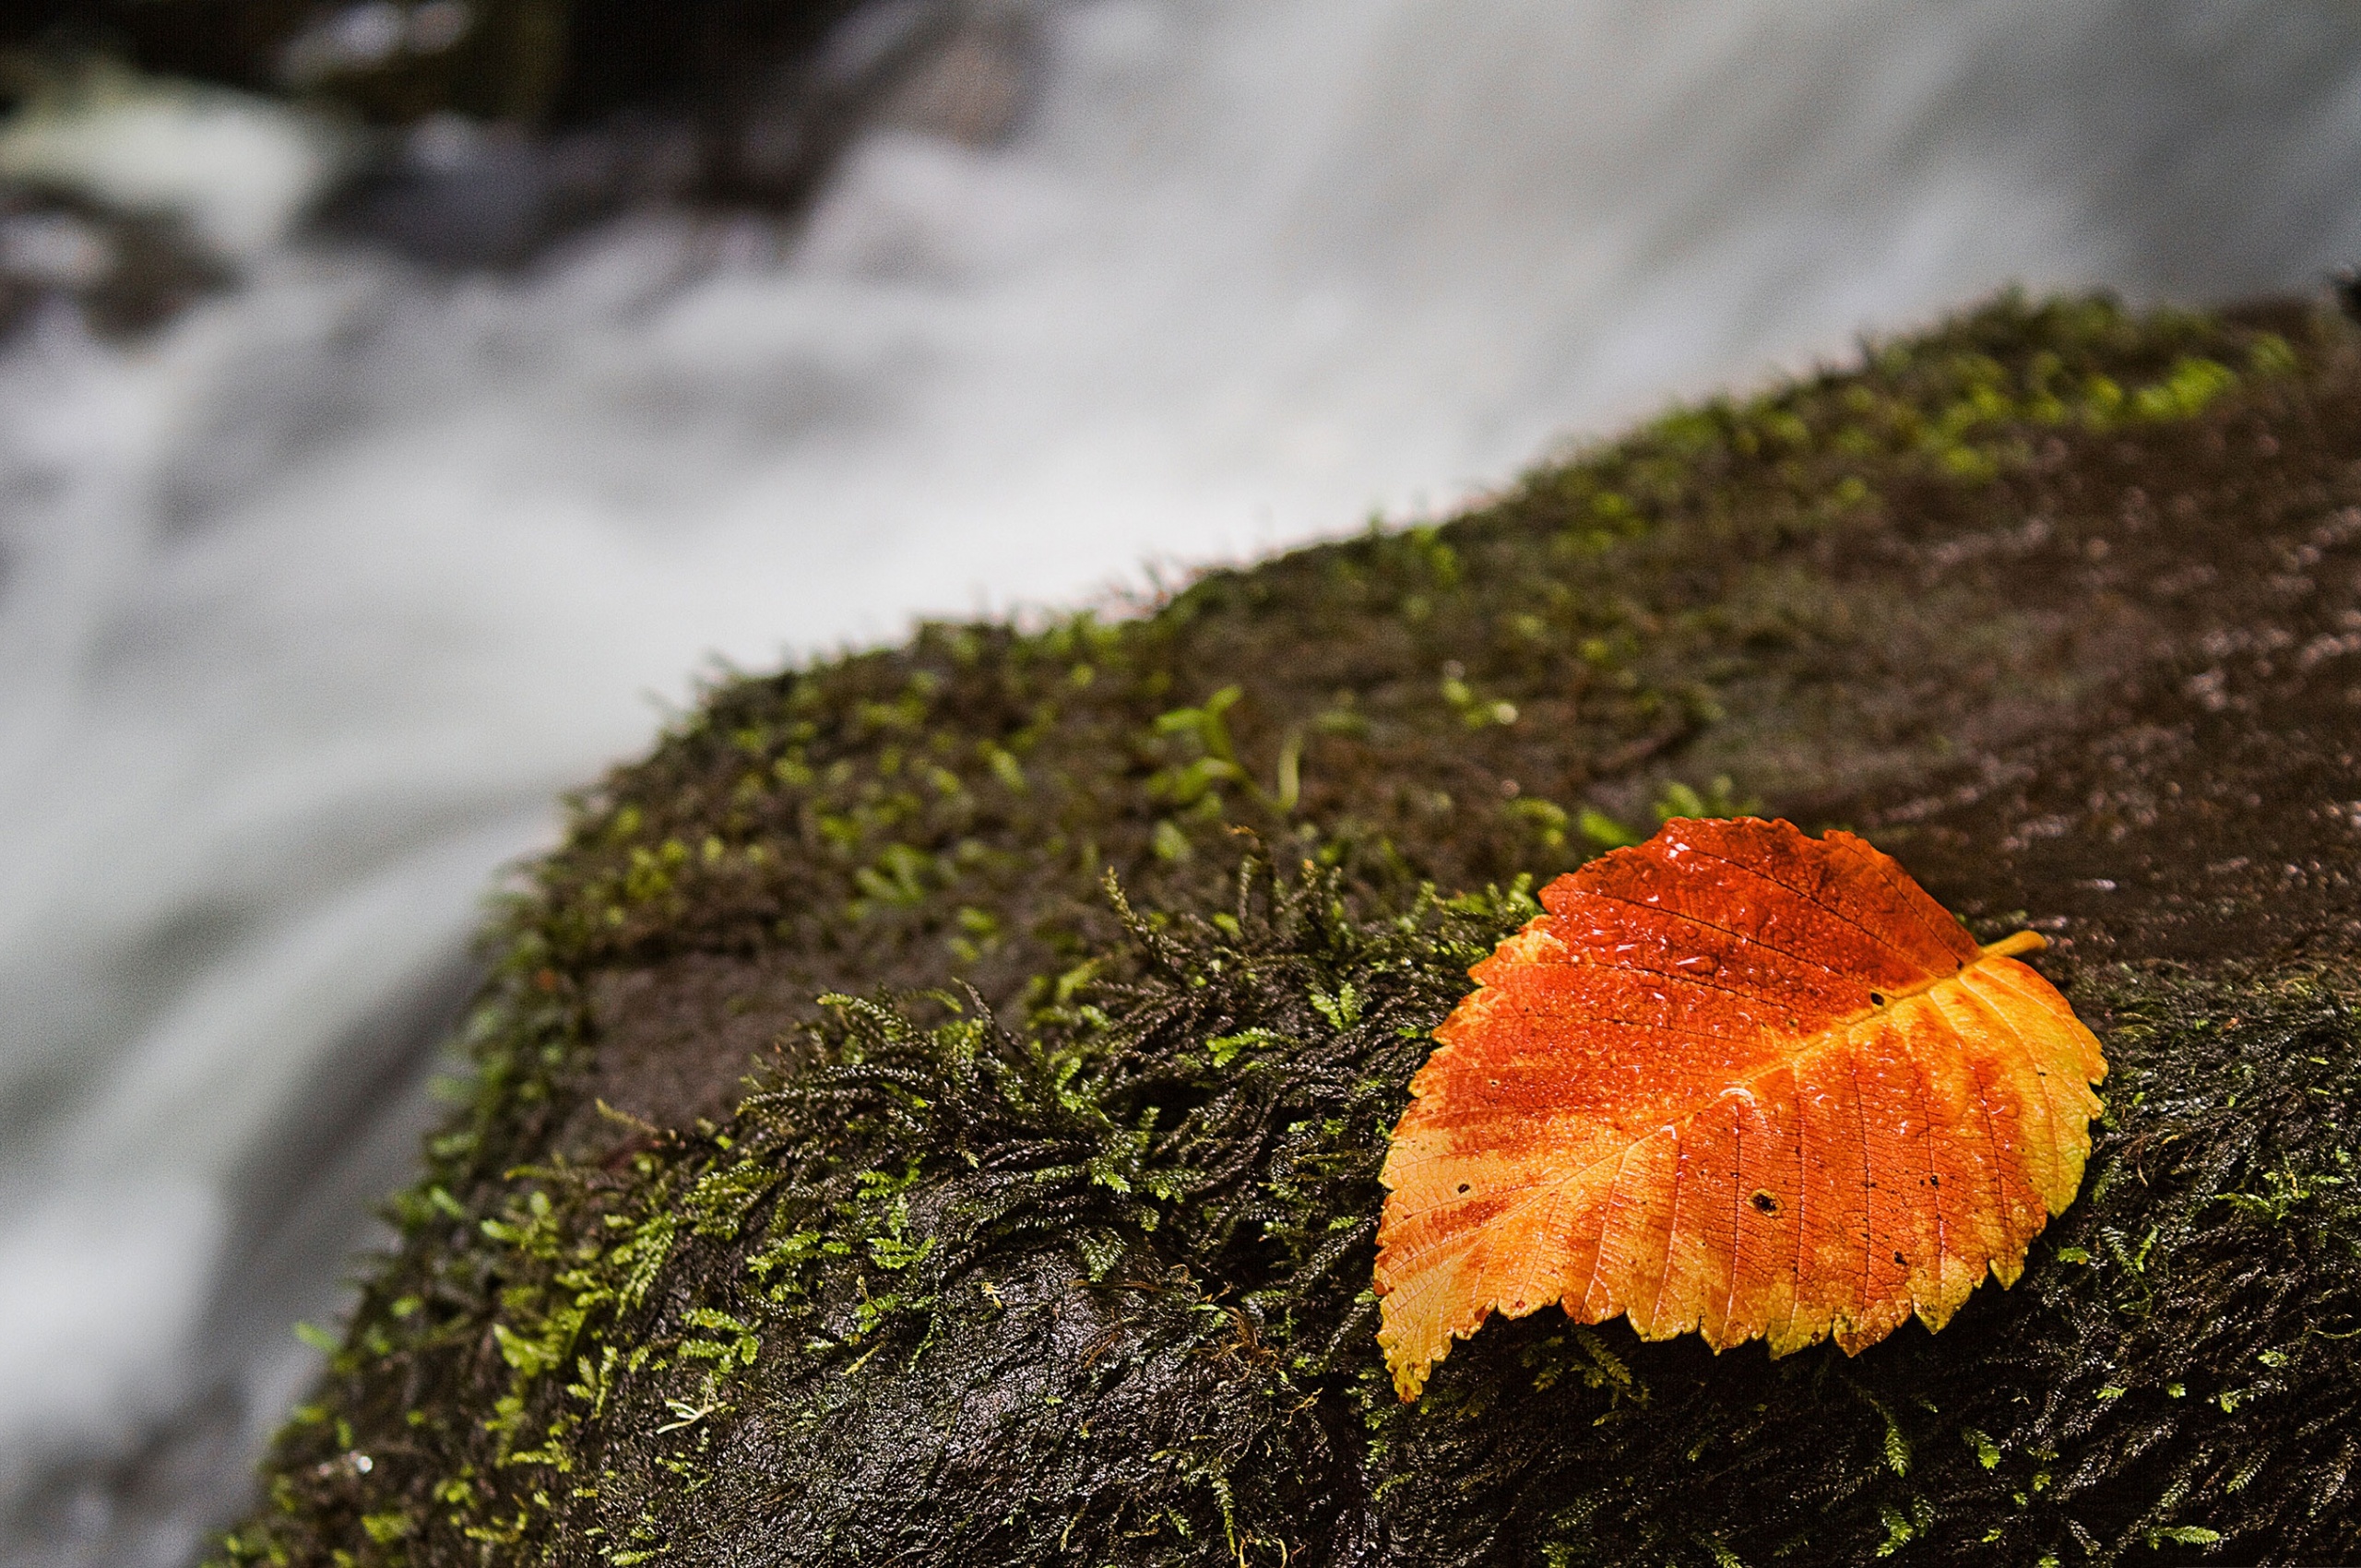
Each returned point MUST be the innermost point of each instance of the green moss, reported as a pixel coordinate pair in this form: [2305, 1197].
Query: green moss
[755, 1335]
[1077, 1251]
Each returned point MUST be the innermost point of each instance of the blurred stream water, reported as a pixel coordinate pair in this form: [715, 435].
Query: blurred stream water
[312, 602]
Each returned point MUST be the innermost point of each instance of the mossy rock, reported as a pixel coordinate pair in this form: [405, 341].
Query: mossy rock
[858, 1172]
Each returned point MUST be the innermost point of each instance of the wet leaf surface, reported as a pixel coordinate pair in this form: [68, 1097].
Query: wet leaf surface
[1736, 1080]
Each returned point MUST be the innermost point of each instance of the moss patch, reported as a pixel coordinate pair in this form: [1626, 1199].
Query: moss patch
[1097, 1290]
[1069, 1262]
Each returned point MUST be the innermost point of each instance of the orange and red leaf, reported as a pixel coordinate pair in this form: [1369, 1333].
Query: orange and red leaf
[1736, 1080]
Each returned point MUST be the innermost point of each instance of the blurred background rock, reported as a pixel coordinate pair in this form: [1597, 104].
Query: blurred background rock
[472, 132]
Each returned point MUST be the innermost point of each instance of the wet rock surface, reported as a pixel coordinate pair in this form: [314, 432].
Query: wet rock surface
[1059, 1250]
[2194, 806]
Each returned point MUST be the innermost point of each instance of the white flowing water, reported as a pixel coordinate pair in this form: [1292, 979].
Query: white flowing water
[311, 604]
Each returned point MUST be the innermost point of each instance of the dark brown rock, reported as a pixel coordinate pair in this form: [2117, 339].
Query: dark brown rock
[2061, 605]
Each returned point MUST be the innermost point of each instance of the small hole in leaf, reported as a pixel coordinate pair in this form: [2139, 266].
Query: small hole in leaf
[1463, 1186]
[1903, 1261]
[1764, 1202]
[1877, 998]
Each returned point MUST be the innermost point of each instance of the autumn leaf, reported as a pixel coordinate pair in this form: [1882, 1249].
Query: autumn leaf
[1738, 1080]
